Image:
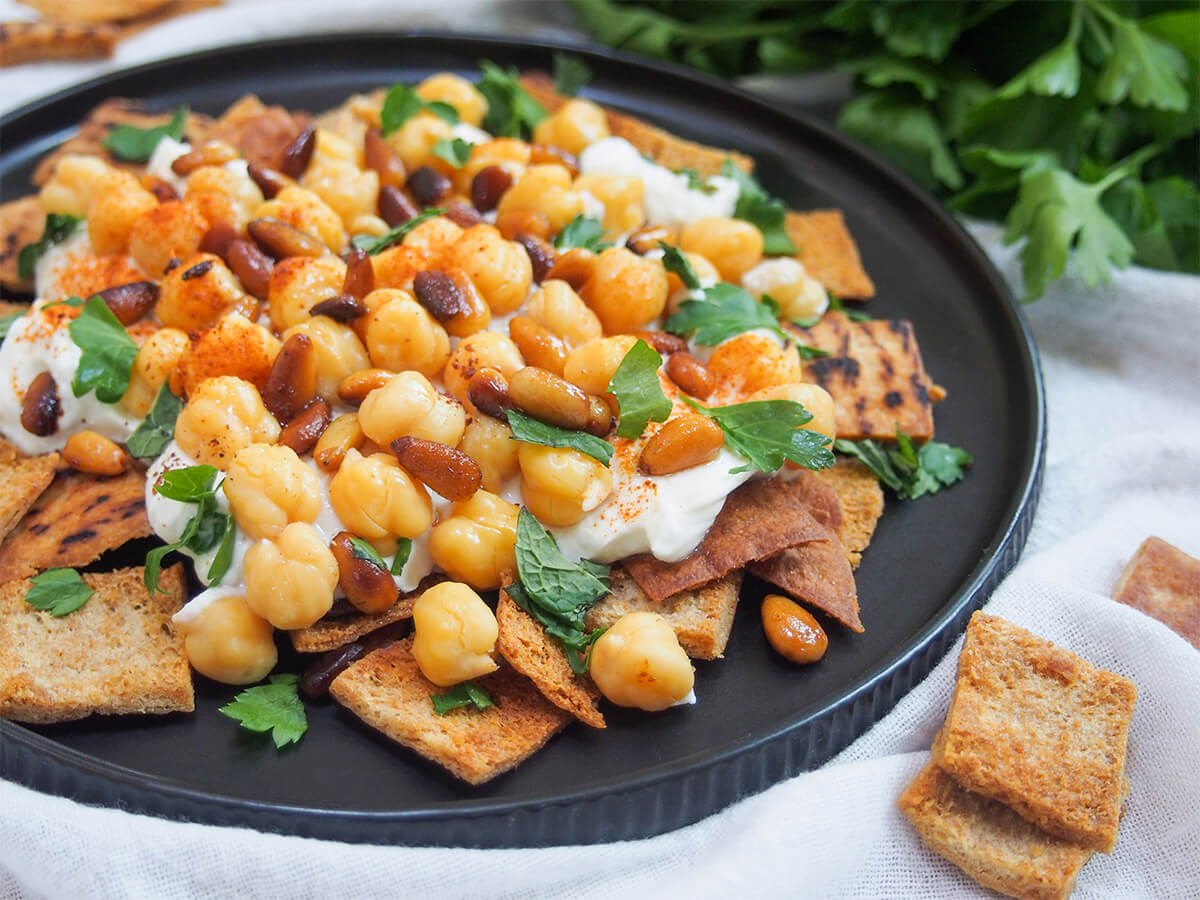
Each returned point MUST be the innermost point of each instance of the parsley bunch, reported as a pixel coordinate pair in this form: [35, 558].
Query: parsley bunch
[1076, 122]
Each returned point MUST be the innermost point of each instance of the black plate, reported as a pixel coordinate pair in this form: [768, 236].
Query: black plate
[758, 719]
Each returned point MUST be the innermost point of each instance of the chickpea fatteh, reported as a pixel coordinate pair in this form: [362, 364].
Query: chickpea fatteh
[414, 356]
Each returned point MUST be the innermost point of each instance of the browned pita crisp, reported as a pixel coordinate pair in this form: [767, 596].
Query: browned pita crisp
[30, 42]
[260, 132]
[828, 252]
[1164, 582]
[817, 573]
[861, 500]
[21, 222]
[25, 478]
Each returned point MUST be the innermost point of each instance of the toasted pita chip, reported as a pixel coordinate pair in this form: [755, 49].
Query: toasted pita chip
[875, 374]
[260, 132]
[388, 692]
[818, 574]
[828, 252]
[119, 653]
[78, 518]
[758, 520]
[21, 222]
[1164, 582]
[25, 478]
[94, 12]
[329, 634]
[861, 500]
[131, 26]
[533, 653]
[702, 618]
[32, 42]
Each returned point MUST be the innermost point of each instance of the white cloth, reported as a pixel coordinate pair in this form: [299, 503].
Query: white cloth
[1122, 373]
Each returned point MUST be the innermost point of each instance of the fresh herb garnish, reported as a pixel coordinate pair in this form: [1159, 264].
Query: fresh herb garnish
[675, 261]
[375, 245]
[207, 528]
[726, 310]
[555, 591]
[466, 693]
[806, 352]
[158, 428]
[58, 227]
[511, 111]
[400, 560]
[455, 152]
[582, 232]
[6, 322]
[854, 315]
[639, 393]
[108, 352]
[532, 431]
[273, 707]
[58, 591]
[761, 210]
[402, 103]
[131, 144]
[570, 74]
[768, 434]
[363, 550]
[696, 182]
[910, 472]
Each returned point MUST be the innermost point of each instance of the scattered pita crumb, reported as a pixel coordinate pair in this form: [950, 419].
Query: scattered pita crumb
[875, 374]
[33, 42]
[1164, 582]
[818, 574]
[828, 252]
[533, 653]
[21, 222]
[1039, 729]
[260, 132]
[990, 842]
[117, 654]
[861, 498]
[78, 518]
[388, 692]
[25, 479]
[702, 618]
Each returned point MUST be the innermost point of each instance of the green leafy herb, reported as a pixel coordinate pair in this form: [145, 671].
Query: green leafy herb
[570, 74]
[273, 707]
[466, 693]
[761, 210]
[582, 232]
[511, 111]
[58, 591]
[375, 245]
[158, 428]
[806, 352]
[768, 434]
[696, 182]
[675, 261]
[555, 591]
[58, 228]
[639, 393]
[108, 352]
[131, 144]
[6, 322]
[455, 152]
[363, 550]
[531, 431]
[726, 310]
[187, 485]
[854, 315]
[402, 103]
[910, 472]
[403, 551]
[208, 527]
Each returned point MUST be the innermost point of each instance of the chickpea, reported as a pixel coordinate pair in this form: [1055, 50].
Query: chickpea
[224, 415]
[434, 237]
[455, 634]
[409, 405]
[489, 442]
[228, 642]
[233, 346]
[343, 186]
[638, 662]
[268, 487]
[478, 316]
[792, 631]
[401, 334]
[487, 349]
[623, 197]
[561, 486]
[812, 397]
[163, 232]
[705, 271]
[338, 351]
[413, 141]
[368, 224]
[458, 92]
[500, 269]
[194, 294]
[733, 246]
[72, 184]
[290, 579]
[301, 208]
[477, 543]
[575, 125]
[395, 268]
[626, 291]
[156, 359]
[343, 434]
[299, 283]
[375, 498]
[750, 362]
[799, 295]
[546, 189]
[238, 189]
[342, 147]
[118, 200]
[557, 307]
[591, 366]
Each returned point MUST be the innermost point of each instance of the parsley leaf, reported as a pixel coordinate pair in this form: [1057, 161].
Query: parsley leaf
[726, 310]
[131, 144]
[675, 261]
[158, 428]
[363, 550]
[909, 472]
[207, 528]
[761, 210]
[531, 431]
[402, 103]
[400, 560]
[466, 693]
[570, 74]
[58, 592]
[6, 322]
[273, 707]
[639, 393]
[223, 558]
[59, 227]
[511, 111]
[854, 315]
[582, 232]
[767, 433]
[455, 152]
[108, 352]
[374, 245]
[1144, 68]
[187, 485]
[696, 182]
[806, 352]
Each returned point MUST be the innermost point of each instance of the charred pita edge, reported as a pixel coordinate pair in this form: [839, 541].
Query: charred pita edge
[25, 479]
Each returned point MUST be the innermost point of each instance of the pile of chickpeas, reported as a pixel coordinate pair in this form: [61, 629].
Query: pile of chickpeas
[311, 368]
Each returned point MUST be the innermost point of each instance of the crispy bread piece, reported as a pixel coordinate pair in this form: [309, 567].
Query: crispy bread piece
[828, 252]
[25, 479]
[119, 653]
[817, 573]
[1164, 582]
[21, 222]
[388, 692]
[1039, 729]
[30, 42]
[989, 841]
[758, 520]
[861, 499]
[533, 653]
[78, 518]
[260, 132]
[702, 618]
[94, 12]
[329, 634]
[875, 374]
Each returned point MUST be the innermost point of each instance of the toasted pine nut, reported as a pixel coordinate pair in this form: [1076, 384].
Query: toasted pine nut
[342, 308]
[269, 181]
[488, 392]
[574, 267]
[427, 186]
[214, 153]
[280, 239]
[368, 586]
[663, 342]
[295, 157]
[545, 153]
[381, 158]
[541, 254]
[438, 293]
[247, 307]
[355, 386]
[647, 238]
[394, 206]
[342, 435]
[41, 408]
[160, 188]
[685, 441]
[463, 214]
[360, 275]
[601, 418]
[488, 185]
[293, 380]
[450, 472]
[129, 302]
[218, 238]
[95, 454]
[539, 345]
[306, 427]
[550, 398]
[251, 266]
[690, 374]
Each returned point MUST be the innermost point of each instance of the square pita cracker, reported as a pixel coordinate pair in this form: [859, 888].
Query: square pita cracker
[828, 252]
[118, 654]
[25, 479]
[388, 692]
[74, 521]
[1040, 730]
[989, 841]
[1164, 582]
[21, 222]
[536, 655]
[333, 632]
[818, 574]
[702, 618]
[861, 499]
[32, 42]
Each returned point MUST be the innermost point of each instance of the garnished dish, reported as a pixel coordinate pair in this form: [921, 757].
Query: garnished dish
[490, 398]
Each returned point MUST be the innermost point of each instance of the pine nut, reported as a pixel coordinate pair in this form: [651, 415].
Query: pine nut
[686, 441]
[295, 157]
[662, 342]
[218, 238]
[251, 266]
[130, 302]
[368, 586]
[394, 206]
[437, 292]
[540, 154]
[341, 308]
[488, 185]
[488, 392]
[40, 408]
[360, 275]
[355, 386]
[306, 427]
[647, 238]
[549, 398]
[462, 214]
[292, 383]
[382, 159]
[574, 267]
[691, 375]
[428, 186]
[269, 181]
[542, 255]
[279, 239]
[215, 153]
[539, 345]
[342, 435]
[450, 472]
[163, 190]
